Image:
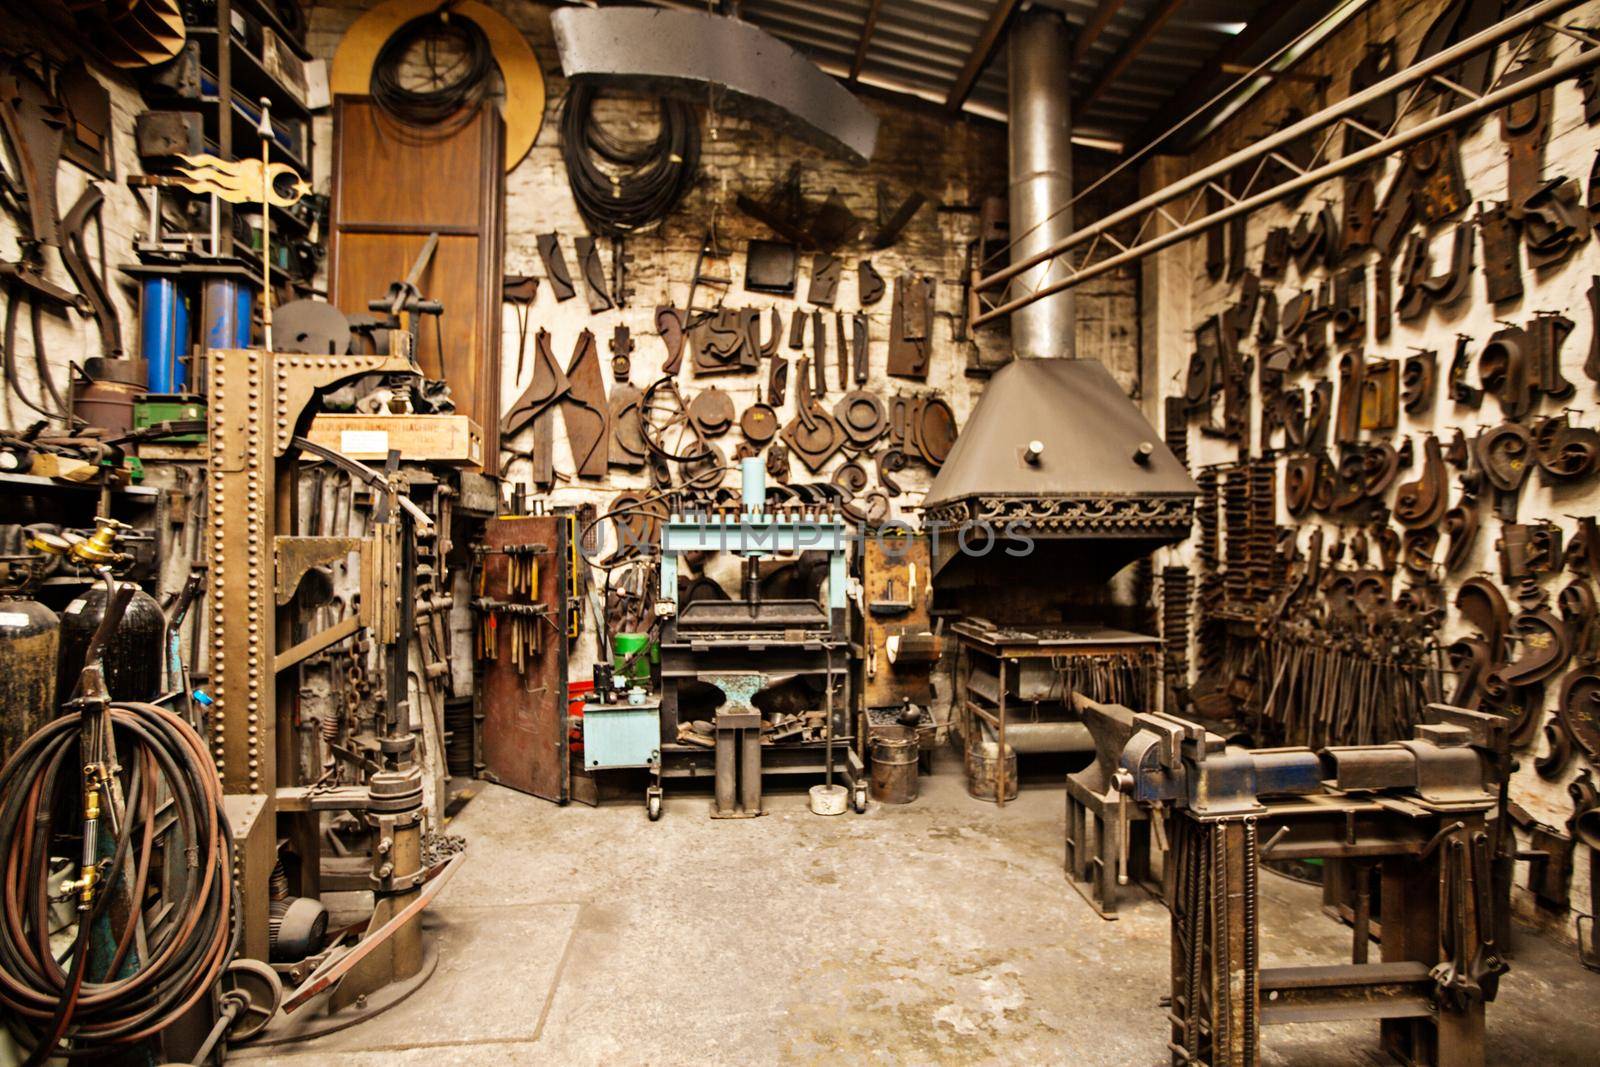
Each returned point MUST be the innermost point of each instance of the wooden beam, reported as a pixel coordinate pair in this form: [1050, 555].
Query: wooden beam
[982, 52]
[866, 38]
[1193, 93]
[1103, 14]
[1141, 38]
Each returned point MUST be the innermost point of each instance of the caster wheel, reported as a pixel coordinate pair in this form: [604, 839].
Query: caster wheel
[257, 991]
[652, 806]
[858, 799]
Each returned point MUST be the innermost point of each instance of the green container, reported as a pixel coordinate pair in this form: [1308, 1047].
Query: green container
[625, 645]
[147, 413]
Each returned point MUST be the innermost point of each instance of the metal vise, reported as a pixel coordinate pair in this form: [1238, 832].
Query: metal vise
[1163, 759]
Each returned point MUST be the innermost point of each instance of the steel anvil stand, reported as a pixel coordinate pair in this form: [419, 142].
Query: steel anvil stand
[1417, 810]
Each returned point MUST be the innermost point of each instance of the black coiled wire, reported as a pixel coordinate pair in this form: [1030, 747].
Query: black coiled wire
[645, 180]
[45, 1003]
[455, 98]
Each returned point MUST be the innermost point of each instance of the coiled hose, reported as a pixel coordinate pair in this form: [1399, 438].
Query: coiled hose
[645, 180]
[456, 89]
[46, 1004]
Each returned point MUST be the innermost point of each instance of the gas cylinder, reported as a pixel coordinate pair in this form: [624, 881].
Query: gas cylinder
[132, 656]
[30, 643]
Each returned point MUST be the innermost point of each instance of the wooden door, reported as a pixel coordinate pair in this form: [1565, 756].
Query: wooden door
[524, 711]
[393, 186]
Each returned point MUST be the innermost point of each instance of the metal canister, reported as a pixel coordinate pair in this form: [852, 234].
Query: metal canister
[983, 763]
[30, 641]
[132, 656]
[894, 764]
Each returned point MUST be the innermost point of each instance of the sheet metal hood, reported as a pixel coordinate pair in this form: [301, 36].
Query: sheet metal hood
[683, 52]
[1101, 473]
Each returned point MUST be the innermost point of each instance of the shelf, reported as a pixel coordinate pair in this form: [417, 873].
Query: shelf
[269, 18]
[244, 134]
[250, 76]
[33, 481]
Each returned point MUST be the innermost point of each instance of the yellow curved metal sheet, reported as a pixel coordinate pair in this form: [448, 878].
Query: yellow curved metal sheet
[519, 67]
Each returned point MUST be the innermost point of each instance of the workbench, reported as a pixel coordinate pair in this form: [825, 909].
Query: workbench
[997, 668]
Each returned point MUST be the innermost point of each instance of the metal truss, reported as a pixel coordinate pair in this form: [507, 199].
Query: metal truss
[1190, 206]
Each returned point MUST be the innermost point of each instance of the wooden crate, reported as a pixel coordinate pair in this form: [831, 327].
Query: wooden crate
[453, 439]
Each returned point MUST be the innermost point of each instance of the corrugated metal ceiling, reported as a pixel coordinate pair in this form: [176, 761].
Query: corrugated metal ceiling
[1149, 64]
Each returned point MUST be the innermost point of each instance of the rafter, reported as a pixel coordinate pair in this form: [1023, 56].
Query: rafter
[1183, 101]
[867, 28]
[1141, 38]
[982, 52]
[1103, 14]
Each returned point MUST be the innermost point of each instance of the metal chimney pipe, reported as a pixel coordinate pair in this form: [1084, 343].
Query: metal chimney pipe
[1038, 54]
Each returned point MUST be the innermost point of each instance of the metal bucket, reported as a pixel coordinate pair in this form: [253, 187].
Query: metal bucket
[983, 761]
[894, 764]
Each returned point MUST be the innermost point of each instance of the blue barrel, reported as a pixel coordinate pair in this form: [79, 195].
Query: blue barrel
[228, 307]
[164, 334]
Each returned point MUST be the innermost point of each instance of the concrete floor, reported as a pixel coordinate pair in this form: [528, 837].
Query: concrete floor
[942, 932]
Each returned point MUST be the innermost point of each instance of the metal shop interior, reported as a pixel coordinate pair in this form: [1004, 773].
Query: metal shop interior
[756, 532]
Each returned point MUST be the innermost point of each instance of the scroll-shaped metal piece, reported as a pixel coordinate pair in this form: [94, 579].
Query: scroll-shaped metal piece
[669, 324]
[1545, 648]
[1578, 705]
[869, 284]
[1507, 370]
[1418, 375]
[1422, 502]
[594, 275]
[1461, 526]
[1462, 393]
[555, 266]
[1482, 605]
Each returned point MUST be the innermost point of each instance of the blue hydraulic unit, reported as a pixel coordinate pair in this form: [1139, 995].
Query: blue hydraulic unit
[781, 665]
[171, 299]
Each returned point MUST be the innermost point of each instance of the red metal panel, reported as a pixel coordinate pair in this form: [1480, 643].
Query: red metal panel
[525, 712]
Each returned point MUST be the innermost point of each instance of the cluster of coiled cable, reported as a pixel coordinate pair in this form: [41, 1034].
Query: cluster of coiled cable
[148, 988]
[643, 181]
[470, 72]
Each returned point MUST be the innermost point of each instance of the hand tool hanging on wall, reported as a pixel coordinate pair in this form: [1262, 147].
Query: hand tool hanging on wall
[593, 274]
[555, 266]
[519, 291]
